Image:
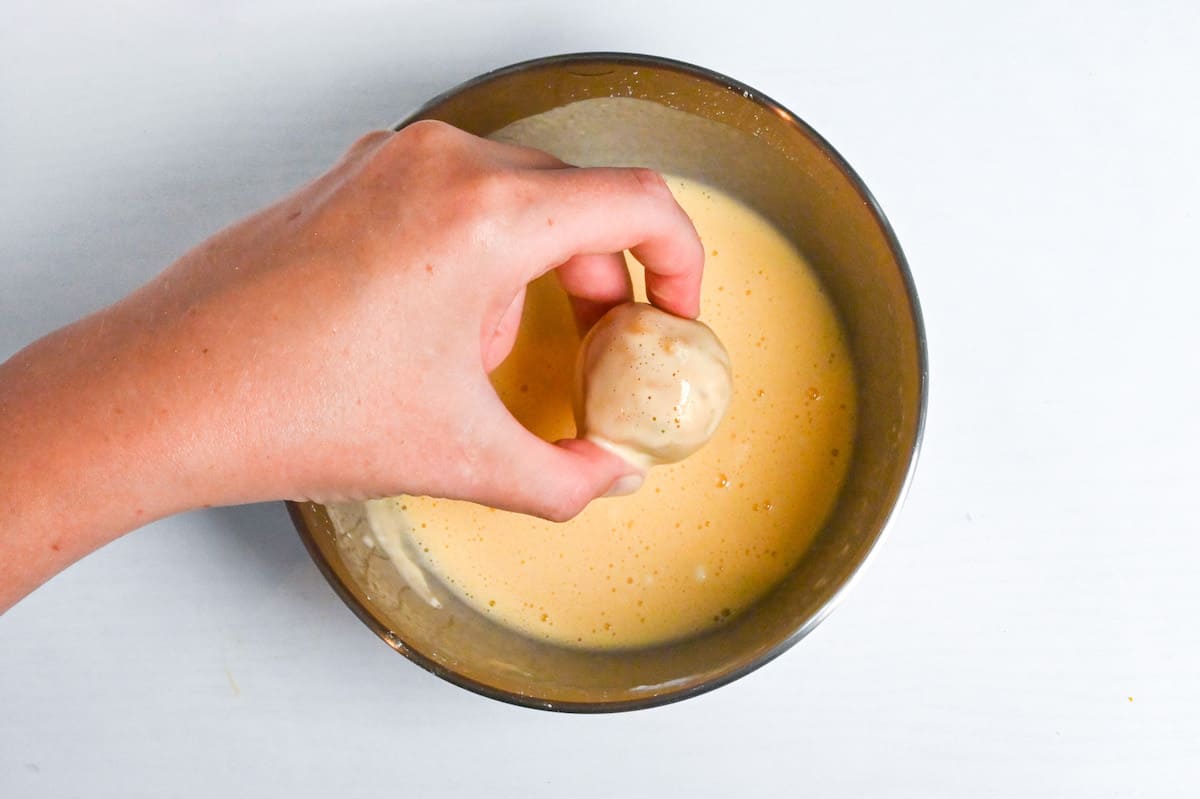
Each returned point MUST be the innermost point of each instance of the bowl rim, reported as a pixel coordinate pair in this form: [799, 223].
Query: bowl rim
[751, 94]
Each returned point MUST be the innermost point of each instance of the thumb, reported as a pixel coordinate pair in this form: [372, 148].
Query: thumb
[553, 481]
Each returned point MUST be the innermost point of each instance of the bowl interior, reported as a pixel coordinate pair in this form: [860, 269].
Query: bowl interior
[698, 125]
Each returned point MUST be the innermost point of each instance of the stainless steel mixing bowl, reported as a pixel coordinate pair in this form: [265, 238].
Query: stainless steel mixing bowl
[731, 136]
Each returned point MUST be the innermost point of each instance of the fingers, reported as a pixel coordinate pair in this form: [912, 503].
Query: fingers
[578, 218]
[520, 156]
[607, 210]
[594, 284]
[444, 138]
[523, 473]
[362, 149]
[501, 343]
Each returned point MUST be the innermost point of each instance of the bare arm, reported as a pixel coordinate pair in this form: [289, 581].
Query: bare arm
[335, 345]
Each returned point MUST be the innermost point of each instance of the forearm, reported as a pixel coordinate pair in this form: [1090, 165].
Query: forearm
[334, 345]
[85, 450]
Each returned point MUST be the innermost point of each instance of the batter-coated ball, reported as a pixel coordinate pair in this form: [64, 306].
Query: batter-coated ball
[651, 386]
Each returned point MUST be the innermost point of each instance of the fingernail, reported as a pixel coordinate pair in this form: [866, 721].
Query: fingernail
[626, 485]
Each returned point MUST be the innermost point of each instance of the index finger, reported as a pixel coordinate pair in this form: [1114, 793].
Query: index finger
[604, 210]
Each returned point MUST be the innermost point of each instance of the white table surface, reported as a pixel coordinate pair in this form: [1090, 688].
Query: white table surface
[1028, 629]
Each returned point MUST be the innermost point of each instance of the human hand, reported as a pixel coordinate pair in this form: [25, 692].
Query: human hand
[346, 333]
[335, 345]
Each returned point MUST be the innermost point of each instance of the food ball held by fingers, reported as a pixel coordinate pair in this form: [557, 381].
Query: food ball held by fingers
[651, 386]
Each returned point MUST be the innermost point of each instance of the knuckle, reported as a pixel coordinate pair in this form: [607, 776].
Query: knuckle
[566, 505]
[651, 181]
[561, 512]
[490, 202]
[492, 191]
[486, 188]
[365, 144]
[427, 133]
[370, 140]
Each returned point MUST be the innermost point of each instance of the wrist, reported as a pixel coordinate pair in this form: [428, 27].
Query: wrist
[86, 458]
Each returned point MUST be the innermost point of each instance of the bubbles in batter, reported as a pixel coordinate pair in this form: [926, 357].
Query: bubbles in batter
[705, 537]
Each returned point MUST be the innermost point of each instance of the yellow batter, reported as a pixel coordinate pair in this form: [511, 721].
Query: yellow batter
[705, 537]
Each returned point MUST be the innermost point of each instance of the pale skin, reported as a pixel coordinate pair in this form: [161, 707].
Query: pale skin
[335, 345]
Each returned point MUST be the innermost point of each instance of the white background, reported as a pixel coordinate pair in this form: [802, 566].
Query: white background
[1028, 629]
